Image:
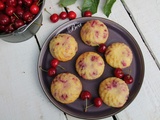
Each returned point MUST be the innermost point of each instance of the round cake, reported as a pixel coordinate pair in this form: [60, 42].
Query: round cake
[114, 92]
[118, 55]
[66, 88]
[63, 47]
[90, 65]
[94, 32]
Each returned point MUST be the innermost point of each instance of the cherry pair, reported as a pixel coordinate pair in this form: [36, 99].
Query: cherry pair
[118, 72]
[86, 95]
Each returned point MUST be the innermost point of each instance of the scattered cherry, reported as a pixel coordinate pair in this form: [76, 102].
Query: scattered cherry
[54, 18]
[71, 15]
[97, 102]
[85, 95]
[34, 9]
[51, 71]
[87, 13]
[118, 73]
[102, 48]
[128, 78]
[54, 63]
[63, 15]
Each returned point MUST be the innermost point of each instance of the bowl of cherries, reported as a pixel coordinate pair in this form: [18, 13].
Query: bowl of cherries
[20, 19]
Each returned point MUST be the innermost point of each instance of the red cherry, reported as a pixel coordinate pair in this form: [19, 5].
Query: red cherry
[71, 15]
[4, 19]
[10, 10]
[20, 2]
[118, 73]
[54, 63]
[97, 102]
[85, 95]
[34, 9]
[87, 13]
[54, 17]
[12, 3]
[102, 48]
[51, 71]
[27, 16]
[18, 23]
[63, 15]
[128, 79]
[2, 28]
[4, 1]
[27, 2]
[13, 18]
[9, 28]
[35, 3]
[2, 6]
[19, 12]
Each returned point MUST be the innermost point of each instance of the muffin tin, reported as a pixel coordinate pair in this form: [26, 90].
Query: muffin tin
[116, 34]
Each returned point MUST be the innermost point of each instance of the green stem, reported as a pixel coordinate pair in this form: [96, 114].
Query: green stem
[42, 69]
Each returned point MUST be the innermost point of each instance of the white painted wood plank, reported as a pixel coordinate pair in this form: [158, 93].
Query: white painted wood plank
[73, 118]
[147, 17]
[21, 96]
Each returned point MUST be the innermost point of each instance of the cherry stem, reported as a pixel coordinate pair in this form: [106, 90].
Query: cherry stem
[15, 15]
[87, 106]
[61, 67]
[43, 69]
[47, 11]
[130, 71]
[79, 8]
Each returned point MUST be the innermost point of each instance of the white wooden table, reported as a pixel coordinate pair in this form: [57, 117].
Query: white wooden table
[21, 96]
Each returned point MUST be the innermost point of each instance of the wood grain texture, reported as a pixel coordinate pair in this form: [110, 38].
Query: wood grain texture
[146, 16]
[21, 96]
[73, 118]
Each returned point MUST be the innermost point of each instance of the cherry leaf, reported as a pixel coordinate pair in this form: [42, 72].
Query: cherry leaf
[66, 3]
[91, 5]
[108, 6]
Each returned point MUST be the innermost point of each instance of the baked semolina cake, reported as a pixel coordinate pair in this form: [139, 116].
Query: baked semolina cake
[90, 65]
[63, 47]
[114, 92]
[94, 32]
[66, 88]
[118, 55]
